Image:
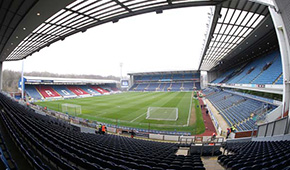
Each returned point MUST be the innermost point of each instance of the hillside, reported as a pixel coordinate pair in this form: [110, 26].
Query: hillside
[11, 78]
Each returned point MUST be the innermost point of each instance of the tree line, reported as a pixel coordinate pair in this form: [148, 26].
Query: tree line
[10, 78]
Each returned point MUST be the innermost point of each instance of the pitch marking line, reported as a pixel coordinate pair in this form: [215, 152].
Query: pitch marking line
[189, 109]
[101, 114]
[137, 117]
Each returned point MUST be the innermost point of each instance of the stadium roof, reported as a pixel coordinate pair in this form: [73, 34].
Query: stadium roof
[29, 26]
[31, 79]
[236, 25]
[164, 72]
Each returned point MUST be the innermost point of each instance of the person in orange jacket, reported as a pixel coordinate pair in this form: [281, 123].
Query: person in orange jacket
[104, 129]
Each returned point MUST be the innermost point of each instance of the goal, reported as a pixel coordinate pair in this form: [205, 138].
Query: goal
[71, 109]
[162, 113]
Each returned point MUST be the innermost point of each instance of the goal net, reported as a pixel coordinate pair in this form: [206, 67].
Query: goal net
[162, 113]
[71, 109]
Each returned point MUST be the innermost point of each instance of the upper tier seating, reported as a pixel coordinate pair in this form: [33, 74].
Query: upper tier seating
[145, 78]
[32, 92]
[178, 77]
[223, 76]
[280, 80]
[159, 77]
[263, 70]
[188, 76]
[254, 155]
[64, 91]
[70, 150]
[187, 86]
[78, 91]
[156, 77]
[47, 91]
[258, 68]
[271, 74]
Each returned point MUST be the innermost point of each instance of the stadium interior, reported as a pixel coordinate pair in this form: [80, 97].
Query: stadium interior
[243, 98]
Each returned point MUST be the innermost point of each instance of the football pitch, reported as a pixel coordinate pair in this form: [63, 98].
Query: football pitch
[130, 109]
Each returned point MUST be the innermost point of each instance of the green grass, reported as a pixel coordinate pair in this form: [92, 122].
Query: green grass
[129, 109]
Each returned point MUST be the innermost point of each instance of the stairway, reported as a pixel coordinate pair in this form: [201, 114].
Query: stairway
[210, 163]
[183, 151]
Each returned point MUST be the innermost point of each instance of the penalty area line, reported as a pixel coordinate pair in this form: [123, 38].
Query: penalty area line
[137, 117]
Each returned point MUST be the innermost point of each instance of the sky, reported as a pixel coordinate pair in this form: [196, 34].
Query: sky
[149, 42]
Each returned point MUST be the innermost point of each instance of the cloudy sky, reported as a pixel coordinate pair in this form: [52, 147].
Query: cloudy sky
[149, 42]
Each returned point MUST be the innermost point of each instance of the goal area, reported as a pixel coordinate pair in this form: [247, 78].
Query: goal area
[71, 109]
[162, 113]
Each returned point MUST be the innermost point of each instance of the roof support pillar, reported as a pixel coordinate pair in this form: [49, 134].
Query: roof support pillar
[22, 81]
[1, 74]
[279, 25]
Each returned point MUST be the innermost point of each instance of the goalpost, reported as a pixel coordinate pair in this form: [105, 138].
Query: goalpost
[71, 109]
[162, 113]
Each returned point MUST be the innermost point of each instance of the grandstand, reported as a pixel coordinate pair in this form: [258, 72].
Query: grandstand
[246, 50]
[43, 88]
[237, 109]
[165, 81]
[263, 70]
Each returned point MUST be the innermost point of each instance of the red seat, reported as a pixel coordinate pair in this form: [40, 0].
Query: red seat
[99, 89]
[47, 91]
[78, 91]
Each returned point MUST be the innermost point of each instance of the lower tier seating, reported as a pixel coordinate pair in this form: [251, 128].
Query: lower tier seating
[99, 89]
[6, 161]
[78, 91]
[238, 110]
[89, 90]
[47, 91]
[49, 143]
[255, 155]
[64, 91]
[32, 92]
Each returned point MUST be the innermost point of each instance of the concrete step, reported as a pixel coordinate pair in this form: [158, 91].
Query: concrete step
[182, 151]
[210, 163]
